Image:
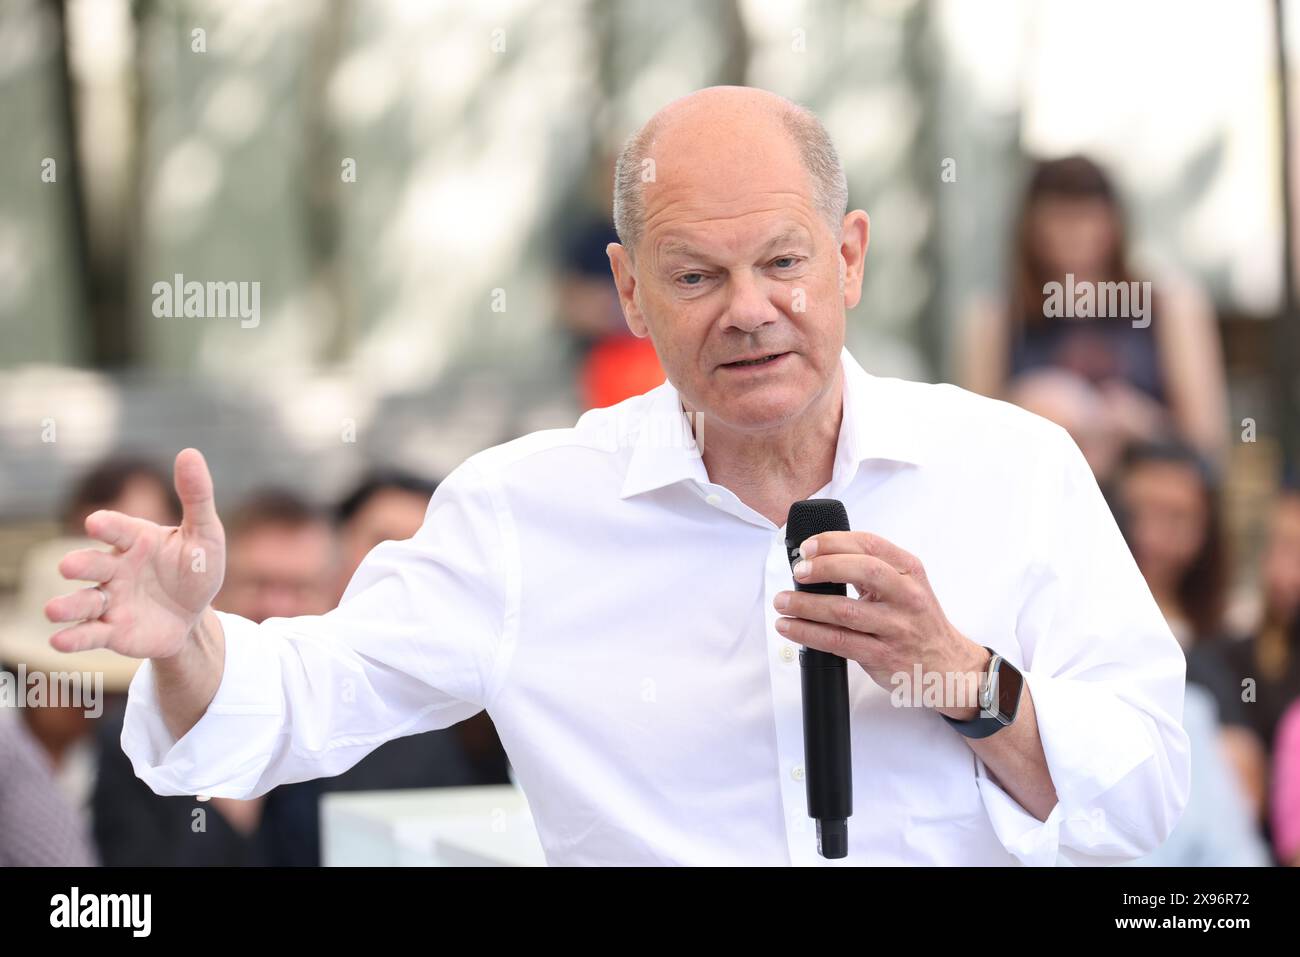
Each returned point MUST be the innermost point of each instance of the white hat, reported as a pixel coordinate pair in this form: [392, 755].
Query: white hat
[25, 632]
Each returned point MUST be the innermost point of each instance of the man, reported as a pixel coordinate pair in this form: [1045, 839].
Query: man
[610, 593]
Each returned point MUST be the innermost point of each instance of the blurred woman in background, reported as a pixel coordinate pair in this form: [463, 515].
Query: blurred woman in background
[1166, 501]
[1270, 661]
[1160, 377]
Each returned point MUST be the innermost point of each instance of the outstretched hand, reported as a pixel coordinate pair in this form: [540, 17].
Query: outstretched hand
[158, 579]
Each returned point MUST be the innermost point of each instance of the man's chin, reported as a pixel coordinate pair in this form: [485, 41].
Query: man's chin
[761, 409]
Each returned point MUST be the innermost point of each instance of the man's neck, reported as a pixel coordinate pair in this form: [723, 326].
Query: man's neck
[769, 471]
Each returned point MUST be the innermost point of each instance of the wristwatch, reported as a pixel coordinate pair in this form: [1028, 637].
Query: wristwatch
[999, 699]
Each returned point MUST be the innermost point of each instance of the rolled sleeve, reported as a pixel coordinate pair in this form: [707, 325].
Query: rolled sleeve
[1106, 677]
[414, 646]
[222, 754]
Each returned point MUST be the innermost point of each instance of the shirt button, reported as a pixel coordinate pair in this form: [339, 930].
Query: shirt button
[787, 653]
[713, 499]
[797, 772]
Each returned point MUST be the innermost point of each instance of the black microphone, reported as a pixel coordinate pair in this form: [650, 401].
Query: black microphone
[827, 761]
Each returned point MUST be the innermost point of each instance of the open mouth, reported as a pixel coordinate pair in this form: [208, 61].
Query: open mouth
[745, 363]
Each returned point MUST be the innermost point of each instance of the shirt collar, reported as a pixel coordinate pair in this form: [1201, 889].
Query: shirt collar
[876, 424]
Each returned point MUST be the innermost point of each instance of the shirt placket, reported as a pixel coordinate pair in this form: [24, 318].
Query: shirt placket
[783, 669]
[787, 694]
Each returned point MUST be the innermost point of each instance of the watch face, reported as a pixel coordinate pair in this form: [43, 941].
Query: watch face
[1006, 682]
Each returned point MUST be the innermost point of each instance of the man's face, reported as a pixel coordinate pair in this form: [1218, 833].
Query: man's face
[280, 571]
[735, 262]
[391, 514]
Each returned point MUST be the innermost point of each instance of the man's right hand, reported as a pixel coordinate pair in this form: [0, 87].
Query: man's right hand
[159, 580]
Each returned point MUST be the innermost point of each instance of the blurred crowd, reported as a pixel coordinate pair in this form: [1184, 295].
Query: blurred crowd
[1146, 401]
[68, 794]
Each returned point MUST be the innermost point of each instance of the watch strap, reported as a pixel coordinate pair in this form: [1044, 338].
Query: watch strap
[983, 725]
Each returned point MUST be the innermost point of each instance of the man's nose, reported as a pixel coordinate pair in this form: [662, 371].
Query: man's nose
[750, 305]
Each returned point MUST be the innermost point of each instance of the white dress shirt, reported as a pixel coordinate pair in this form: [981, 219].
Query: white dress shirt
[611, 608]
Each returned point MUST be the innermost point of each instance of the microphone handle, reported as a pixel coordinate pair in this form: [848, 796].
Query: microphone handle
[827, 752]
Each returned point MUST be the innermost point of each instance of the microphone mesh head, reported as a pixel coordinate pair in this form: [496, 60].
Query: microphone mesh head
[812, 516]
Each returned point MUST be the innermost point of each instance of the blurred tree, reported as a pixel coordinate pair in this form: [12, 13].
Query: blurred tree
[103, 216]
[323, 183]
[1287, 355]
[102, 312]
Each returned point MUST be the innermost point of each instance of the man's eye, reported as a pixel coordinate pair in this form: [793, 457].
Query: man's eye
[785, 262]
[691, 278]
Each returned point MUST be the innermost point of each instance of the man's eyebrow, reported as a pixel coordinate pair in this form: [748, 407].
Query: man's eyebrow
[793, 234]
[674, 247]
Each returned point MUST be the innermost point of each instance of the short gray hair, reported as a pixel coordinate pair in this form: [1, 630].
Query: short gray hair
[830, 185]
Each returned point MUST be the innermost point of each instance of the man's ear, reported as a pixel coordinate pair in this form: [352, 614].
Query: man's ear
[620, 264]
[853, 254]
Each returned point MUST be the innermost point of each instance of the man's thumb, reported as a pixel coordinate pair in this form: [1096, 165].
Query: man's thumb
[194, 486]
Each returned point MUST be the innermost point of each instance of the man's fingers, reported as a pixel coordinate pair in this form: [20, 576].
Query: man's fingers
[194, 486]
[88, 565]
[865, 572]
[830, 638]
[114, 528]
[87, 635]
[864, 543]
[81, 604]
[866, 617]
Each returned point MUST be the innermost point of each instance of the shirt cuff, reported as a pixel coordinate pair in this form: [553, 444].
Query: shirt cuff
[1094, 743]
[1032, 842]
[228, 748]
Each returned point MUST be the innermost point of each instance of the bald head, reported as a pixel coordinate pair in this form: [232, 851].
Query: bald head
[718, 131]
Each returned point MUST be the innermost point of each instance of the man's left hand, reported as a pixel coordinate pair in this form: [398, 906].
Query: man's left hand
[894, 624]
